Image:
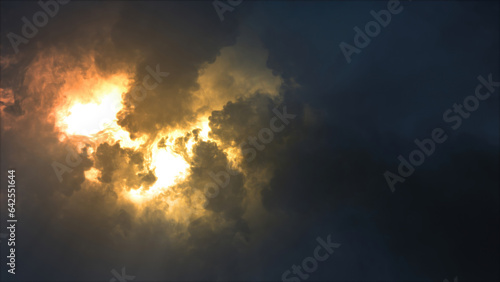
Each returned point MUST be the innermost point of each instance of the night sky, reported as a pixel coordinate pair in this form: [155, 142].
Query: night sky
[243, 141]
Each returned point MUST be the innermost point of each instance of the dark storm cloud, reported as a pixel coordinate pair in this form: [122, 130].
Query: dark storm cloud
[395, 92]
[116, 163]
[208, 160]
[179, 45]
[237, 120]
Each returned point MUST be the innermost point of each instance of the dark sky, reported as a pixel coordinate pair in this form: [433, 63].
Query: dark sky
[322, 175]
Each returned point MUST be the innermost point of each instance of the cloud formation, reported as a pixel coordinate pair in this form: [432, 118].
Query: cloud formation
[135, 193]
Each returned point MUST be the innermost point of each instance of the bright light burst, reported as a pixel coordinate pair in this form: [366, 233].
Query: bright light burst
[94, 116]
[96, 111]
[169, 167]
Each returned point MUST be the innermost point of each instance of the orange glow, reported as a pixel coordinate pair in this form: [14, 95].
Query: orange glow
[169, 167]
[89, 112]
[95, 112]
[88, 119]
[92, 174]
[84, 103]
[85, 112]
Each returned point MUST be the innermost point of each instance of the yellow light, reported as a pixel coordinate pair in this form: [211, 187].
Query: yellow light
[91, 118]
[169, 167]
[92, 174]
[136, 195]
[89, 113]
[205, 128]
